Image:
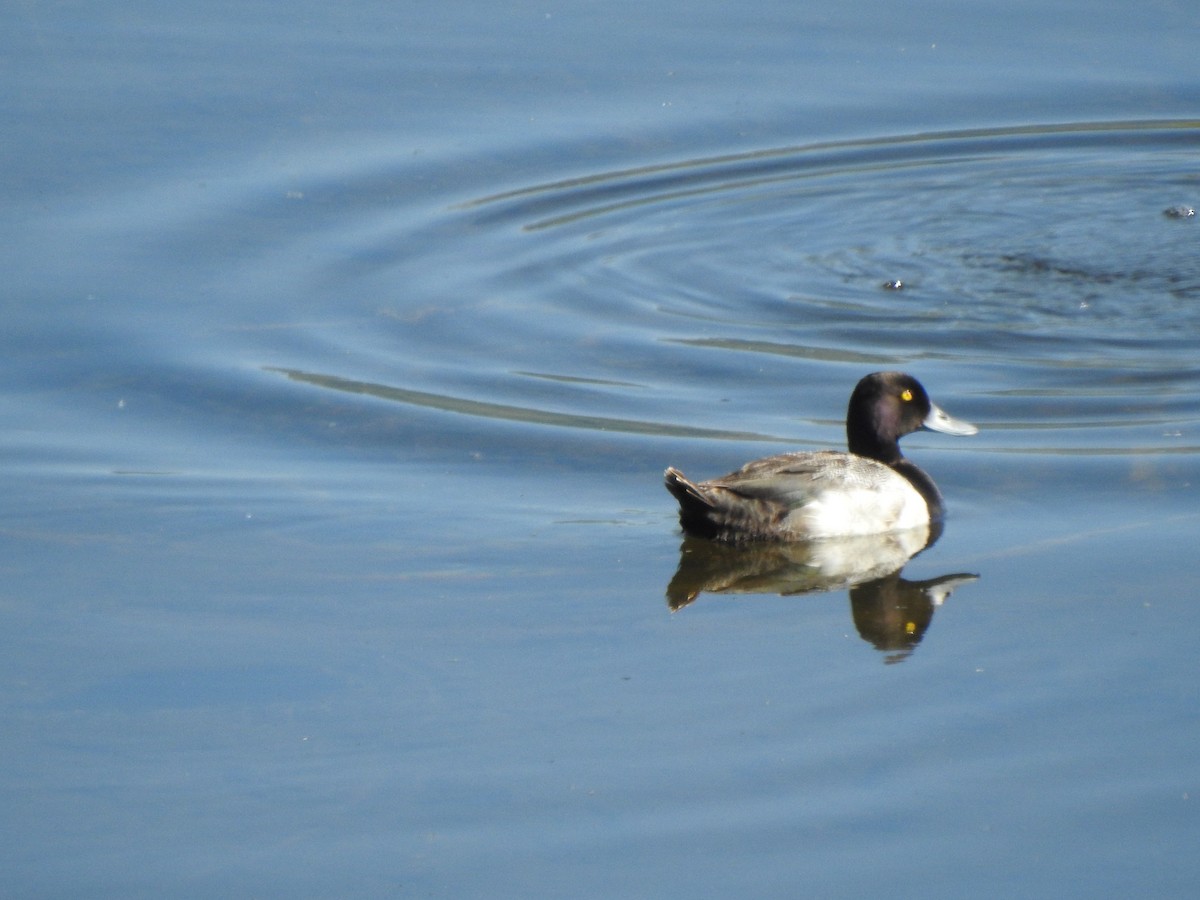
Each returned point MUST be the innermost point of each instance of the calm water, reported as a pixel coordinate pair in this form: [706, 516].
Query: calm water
[345, 348]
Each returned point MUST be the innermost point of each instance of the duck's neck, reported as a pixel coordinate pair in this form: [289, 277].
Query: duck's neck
[866, 442]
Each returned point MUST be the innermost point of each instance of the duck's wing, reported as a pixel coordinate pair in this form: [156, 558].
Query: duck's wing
[798, 477]
[795, 496]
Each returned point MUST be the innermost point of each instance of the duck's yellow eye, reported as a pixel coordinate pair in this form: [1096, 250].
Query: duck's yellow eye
[906, 395]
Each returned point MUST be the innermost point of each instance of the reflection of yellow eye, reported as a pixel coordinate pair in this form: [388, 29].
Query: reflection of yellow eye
[906, 395]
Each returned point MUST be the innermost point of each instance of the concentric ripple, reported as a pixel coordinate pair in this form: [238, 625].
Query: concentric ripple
[701, 298]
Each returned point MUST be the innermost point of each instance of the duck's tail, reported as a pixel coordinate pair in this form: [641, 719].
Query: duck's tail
[696, 507]
[682, 489]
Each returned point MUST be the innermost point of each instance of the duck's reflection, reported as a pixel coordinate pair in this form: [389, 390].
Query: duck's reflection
[889, 611]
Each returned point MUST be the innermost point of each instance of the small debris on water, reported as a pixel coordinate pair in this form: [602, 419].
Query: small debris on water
[895, 285]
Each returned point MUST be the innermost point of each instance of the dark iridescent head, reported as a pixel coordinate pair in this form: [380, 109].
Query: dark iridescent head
[884, 407]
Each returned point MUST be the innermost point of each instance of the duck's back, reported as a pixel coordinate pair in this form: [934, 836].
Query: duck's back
[799, 496]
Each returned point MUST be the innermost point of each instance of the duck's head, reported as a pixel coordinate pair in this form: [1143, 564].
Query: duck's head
[885, 406]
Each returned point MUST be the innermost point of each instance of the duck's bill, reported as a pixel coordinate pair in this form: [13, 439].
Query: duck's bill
[939, 420]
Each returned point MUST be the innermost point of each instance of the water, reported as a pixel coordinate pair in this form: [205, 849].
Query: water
[345, 348]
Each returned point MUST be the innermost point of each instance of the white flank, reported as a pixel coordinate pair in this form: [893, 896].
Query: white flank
[846, 512]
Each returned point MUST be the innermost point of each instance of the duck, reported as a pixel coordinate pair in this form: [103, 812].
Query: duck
[810, 495]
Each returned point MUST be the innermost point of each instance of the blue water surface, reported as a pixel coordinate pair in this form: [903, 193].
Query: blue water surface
[345, 346]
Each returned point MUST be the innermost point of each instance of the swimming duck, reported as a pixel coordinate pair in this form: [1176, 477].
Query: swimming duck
[800, 496]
